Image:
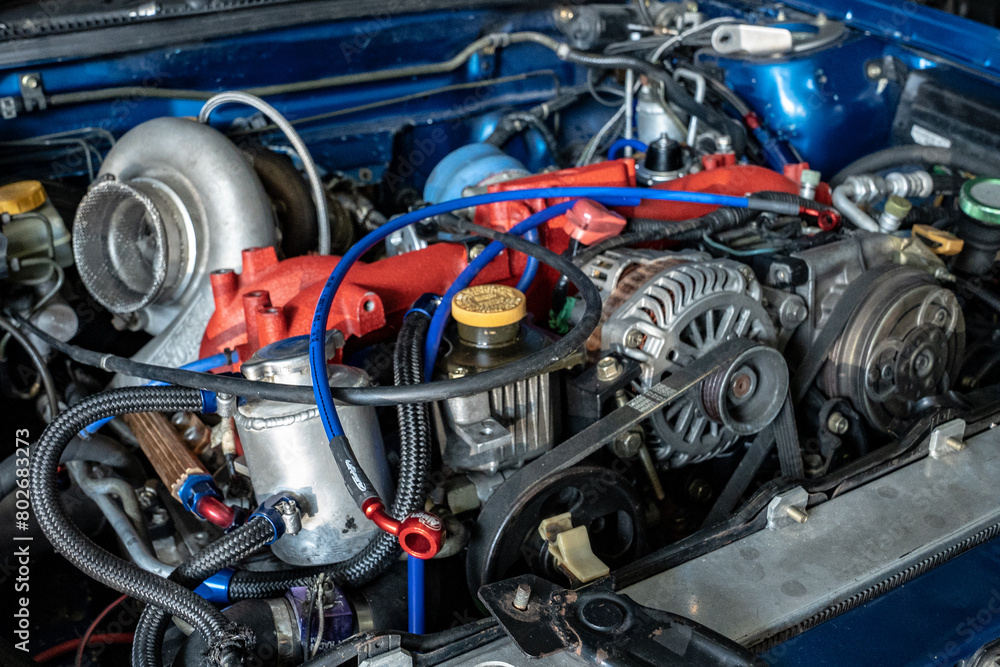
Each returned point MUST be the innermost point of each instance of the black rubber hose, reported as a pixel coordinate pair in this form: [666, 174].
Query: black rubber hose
[901, 156]
[36, 359]
[296, 211]
[414, 466]
[516, 122]
[429, 392]
[96, 449]
[787, 197]
[228, 643]
[676, 92]
[981, 293]
[641, 230]
[147, 649]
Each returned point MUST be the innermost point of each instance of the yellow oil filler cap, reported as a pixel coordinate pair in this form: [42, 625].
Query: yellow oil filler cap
[489, 306]
[21, 197]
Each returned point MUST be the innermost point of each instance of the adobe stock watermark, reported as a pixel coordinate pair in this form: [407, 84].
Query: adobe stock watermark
[22, 544]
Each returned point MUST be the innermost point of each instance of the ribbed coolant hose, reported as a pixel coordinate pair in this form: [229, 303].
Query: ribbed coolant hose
[227, 641]
[147, 650]
[414, 466]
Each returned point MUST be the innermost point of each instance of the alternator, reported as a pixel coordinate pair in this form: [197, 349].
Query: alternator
[676, 317]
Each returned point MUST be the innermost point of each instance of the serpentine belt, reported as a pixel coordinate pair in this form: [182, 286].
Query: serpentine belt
[519, 488]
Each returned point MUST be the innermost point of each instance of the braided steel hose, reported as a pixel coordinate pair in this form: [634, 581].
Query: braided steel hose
[147, 650]
[228, 642]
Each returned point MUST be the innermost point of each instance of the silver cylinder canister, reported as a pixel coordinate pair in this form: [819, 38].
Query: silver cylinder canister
[287, 452]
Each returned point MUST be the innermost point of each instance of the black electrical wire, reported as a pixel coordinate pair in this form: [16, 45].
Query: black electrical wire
[650, 230]
[531, 365]
[38, 361]
[228, 642]
[635, 45]
[414, 467]
[900, 156]
[231, 548]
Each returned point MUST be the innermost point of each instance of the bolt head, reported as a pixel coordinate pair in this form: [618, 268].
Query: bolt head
[608, 369]
[565, 14]
[476, 250]
[874, 70]
[634, 339]
[837, 423]
[29, 81]
[800, 312]
[628, 445]
[459, 372]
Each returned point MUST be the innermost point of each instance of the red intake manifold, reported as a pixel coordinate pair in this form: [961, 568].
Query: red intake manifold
[272, 300]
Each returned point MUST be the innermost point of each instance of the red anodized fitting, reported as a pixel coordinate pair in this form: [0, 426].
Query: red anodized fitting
[826, 219]
[421, 534]
[215, 511]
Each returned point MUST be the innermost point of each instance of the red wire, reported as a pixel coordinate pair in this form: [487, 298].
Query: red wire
[85, 640]
[71, 645]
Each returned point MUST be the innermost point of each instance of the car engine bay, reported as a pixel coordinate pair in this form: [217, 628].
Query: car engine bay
[657, 333]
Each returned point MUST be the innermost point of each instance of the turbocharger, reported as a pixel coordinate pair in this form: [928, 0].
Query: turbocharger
[174, 200]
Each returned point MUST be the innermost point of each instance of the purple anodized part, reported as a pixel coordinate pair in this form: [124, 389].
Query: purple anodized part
[338, 623]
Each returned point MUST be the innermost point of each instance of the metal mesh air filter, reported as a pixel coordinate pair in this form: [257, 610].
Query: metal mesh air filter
[120, 246]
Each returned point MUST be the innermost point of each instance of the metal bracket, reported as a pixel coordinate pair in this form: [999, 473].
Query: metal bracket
[383, 651]
[947, 439]
[602, 627]
[32, 91]
[788, 508]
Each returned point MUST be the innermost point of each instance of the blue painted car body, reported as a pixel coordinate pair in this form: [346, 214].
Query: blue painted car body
[820, 102]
